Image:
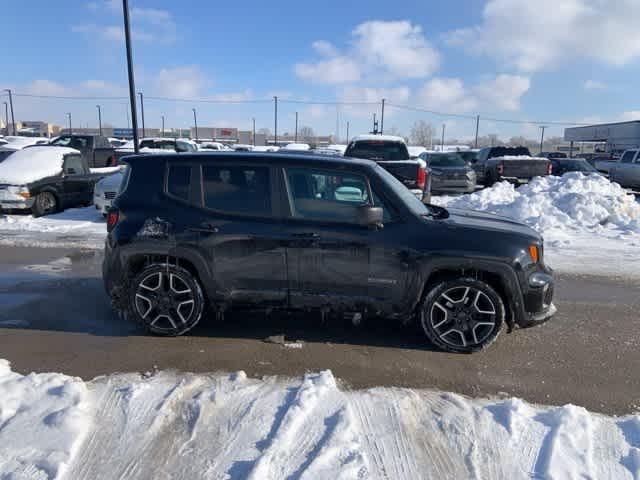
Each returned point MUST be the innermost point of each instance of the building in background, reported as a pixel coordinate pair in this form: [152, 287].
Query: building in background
[612, 138]
[224, 135]
[32, 128]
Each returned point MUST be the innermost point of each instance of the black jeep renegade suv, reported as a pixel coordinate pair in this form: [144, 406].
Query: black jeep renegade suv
[339, 236]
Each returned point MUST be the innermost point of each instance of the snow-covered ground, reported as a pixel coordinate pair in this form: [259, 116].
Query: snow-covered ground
[184, 426]
[590, 225]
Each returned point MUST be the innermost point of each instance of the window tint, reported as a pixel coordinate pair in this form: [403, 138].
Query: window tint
[378, 150]
[179, 181]
[73, 165]
[327, 196]
[159, 144]
[628, 157]
[237, 189]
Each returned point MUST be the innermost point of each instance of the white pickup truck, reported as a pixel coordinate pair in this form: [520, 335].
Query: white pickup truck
[626, 171]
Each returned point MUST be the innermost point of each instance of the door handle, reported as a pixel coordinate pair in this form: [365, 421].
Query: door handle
[310, 235]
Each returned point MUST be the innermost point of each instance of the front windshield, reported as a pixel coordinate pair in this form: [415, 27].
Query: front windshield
[409, 199]
[446, 160]
[578, 165]
[468, 156]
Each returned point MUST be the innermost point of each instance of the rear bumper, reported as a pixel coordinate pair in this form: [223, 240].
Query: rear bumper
[453, 187]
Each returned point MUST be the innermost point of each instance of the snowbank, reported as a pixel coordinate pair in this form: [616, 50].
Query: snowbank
[229, 426]
[590, 225]
[33, 163]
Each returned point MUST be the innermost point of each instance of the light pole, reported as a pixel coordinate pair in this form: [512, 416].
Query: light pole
[142, 113]
[296, 135]
[275, 117]
[6, 117]
[442, 143]
[132, 83]
[542, 136]
[162, 126]
[347, 132]
[13, 120]
[477, 128]
[70, 127]
[382, 118]
[254, 131]
[195, 121]
[99, 119]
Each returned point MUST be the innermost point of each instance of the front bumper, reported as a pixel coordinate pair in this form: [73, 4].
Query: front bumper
[538, 298]
[11, 201]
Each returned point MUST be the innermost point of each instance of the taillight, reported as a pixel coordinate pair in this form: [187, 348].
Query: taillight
[112, 161]
[549, 169]
[112, 219]
[421, 179]
[500, 169]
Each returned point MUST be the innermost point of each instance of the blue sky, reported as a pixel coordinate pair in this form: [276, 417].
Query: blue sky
[550, 60]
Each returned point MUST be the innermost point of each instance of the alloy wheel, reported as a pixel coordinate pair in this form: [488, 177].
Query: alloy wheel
[166, 303]
[463, 317]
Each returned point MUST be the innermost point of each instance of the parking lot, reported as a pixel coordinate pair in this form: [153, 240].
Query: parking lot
[56, 317]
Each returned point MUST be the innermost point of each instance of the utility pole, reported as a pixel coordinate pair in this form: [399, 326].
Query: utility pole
[6, 117]
[275, 118]
[144, 134]
[162, 126]
[70, 127]
[477, 128]
[375, 125]
[542, 136]
[442, 143]
[254, 131]
[382, 118]
[13, 119]
[99, 119]
[195, 121]
[132, 83]
[347, 132]
[296, 136]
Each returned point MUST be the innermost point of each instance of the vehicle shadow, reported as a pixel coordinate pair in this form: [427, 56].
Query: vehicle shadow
[79, 305]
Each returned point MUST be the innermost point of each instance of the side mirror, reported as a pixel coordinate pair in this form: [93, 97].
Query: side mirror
[370, 217]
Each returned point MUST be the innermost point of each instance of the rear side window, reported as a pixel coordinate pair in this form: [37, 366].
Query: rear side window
[179, 181]
[628, 156]
[237, 189]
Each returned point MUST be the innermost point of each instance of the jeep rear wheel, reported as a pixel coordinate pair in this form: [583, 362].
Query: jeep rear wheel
[167, 299]
[463, 315]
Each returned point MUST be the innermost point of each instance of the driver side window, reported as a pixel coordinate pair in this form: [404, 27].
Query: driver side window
[73, 165]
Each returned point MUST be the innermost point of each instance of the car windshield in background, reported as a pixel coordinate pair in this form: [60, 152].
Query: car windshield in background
[446, 160]
[468, 156]
[379, 150]
[577, 165]
[71, 142]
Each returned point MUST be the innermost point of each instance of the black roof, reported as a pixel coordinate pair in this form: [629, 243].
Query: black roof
[268, 158]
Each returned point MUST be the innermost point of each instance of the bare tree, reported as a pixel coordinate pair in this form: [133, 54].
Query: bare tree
[421, 133]
[264, 131]
[306, 132]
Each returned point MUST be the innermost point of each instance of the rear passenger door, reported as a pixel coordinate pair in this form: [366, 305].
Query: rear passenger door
[239, 233]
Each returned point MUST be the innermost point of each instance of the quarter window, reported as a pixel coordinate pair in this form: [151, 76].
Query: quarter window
[327, 196]
[628, 157]
[179, 181]
[240, 189]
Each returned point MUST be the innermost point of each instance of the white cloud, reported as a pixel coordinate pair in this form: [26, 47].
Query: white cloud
[333, 71]
[450, 95]
[382, 50]
[502, 92]
[594, 85]
[180, 82]
[533, 36]
[111, 33]
[446, 95]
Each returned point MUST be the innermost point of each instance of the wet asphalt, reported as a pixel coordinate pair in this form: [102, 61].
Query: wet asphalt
[55, 316]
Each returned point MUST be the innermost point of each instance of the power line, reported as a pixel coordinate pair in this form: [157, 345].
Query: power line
[207, 100]
[319, 102]
[63, 97]
[424, 110]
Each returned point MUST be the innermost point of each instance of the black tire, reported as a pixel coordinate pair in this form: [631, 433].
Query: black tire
[462, 315]
[166, 299]
[45, 203]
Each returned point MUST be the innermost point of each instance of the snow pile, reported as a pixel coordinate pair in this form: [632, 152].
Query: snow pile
[590, 224]
[188, 426]
[33, 163]
[83, 227]
[43, 420]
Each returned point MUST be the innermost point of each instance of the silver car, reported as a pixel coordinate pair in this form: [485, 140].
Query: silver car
[626, 171]
[449, 173]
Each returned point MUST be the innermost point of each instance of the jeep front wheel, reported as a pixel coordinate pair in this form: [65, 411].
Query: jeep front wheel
[167, 299]
[463, 315]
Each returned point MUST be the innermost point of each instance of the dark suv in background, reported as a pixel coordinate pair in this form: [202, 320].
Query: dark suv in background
[338, 236]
